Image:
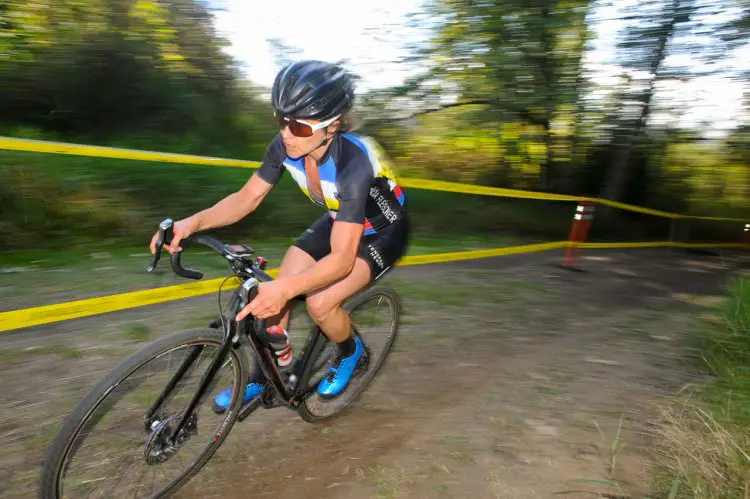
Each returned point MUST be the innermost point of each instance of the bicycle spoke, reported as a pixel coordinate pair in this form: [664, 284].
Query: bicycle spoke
[374, 315]
[138, 487]
[112, 446]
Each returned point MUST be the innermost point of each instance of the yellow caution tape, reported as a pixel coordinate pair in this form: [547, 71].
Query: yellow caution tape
[711, 245]
[650, 244]
[718, 219]
[16, 319]
[439, 185]
[639, 209]
[657, 244]
[92, 306]
[474, 254]
[435, 185]
[113, 152]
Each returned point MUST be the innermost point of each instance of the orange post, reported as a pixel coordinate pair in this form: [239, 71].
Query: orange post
[582, 220]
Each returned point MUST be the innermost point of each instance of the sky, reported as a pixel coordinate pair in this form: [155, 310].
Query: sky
[331, 31]
[372, 36]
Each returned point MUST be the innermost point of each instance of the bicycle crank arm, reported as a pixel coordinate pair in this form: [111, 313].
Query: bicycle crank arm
[249, 408]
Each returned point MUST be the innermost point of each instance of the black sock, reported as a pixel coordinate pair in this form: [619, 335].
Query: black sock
[347, 347]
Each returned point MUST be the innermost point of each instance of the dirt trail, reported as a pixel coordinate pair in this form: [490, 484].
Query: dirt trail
[509, 380]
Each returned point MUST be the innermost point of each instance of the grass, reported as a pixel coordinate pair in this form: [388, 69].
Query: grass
[15, 355]
[464, 288]
[702, 443]
[137, 331]
[390, 482]
[55, 202]
[79, 273]
[615, 447]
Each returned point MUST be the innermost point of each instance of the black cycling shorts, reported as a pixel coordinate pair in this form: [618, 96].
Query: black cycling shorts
[380, 250]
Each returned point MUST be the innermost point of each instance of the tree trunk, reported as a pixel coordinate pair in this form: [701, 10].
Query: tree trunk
[546, 178]
[619, 172]
[567, 183]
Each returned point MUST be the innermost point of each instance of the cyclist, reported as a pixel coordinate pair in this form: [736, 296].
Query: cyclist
[362, 234]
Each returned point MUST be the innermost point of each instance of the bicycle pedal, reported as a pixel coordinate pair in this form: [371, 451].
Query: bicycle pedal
[364, 363]
[268, 398]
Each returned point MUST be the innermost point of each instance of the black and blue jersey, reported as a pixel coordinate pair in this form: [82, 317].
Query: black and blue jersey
[356, 179]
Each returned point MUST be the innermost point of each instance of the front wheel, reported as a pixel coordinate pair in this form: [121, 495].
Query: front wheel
[107, 447]
[375, 316]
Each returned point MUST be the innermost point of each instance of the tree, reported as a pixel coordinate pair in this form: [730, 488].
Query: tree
[109, 67]
[515, 60]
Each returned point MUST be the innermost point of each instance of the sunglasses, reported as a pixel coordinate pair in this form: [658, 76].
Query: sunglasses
[301, 128]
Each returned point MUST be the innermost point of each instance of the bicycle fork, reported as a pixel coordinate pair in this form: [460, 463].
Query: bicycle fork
[229, 340]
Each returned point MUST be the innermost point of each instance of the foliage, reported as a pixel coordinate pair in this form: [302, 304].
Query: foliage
[518, 82]
[507, 96]
[703, 447]
[99, 69]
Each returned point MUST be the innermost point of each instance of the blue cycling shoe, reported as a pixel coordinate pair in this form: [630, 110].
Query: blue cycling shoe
[341, 372]
[222, 400]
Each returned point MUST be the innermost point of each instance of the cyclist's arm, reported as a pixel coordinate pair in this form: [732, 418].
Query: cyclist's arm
[238, 205]
[345, 240]
[346, 234]
[235, 206]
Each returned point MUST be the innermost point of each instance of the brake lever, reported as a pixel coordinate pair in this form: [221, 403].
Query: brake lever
[166, 233]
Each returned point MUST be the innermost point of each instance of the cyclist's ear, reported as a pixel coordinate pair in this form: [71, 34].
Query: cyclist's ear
[332, 129]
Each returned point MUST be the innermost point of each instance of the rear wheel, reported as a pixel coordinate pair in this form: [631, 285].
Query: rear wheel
[375, 316]
[106, 448]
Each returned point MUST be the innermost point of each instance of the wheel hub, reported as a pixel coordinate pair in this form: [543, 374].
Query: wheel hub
[158, 449]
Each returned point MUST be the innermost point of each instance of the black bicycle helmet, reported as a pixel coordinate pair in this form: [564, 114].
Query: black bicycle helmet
[312, 89]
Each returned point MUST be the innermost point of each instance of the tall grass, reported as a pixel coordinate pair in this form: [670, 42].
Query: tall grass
[50, 201]
[703, 437]
[55, 201]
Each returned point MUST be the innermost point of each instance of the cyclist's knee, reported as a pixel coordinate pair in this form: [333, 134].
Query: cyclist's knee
[295, 261]
[319, 307]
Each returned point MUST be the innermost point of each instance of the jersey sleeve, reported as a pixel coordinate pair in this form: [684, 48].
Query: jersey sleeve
[354, 189]
[273, 161]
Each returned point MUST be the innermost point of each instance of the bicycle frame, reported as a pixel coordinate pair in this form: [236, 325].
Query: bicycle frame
[232, 332]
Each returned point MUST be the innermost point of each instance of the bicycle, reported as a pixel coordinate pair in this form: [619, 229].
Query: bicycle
[164, 433]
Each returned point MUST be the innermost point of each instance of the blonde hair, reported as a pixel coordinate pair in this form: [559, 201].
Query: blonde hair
[349, 122]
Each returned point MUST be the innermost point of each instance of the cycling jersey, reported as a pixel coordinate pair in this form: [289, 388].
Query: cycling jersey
[357, 182]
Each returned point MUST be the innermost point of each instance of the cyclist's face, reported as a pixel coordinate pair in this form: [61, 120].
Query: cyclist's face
[301, 146]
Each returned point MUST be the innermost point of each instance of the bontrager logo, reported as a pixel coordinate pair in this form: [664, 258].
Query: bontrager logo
[375, 254]
[383, 204]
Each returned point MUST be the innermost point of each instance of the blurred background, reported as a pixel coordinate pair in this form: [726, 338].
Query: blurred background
[639, 101]
[644, 102]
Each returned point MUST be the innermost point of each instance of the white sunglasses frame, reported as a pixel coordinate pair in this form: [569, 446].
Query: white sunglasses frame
[316, 126]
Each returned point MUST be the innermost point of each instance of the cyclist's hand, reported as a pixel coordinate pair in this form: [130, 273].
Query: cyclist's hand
[271, 298]
[182, 229]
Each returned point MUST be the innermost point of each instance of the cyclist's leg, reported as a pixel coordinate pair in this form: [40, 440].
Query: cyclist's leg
[377, 254]
[299, 257]
[324, 307]
[311, 246]
[295, 261]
